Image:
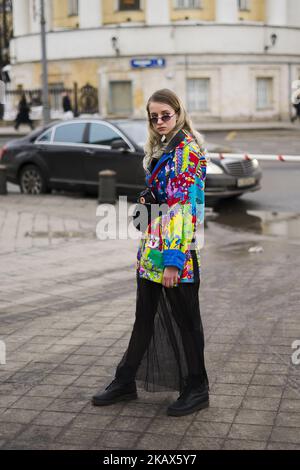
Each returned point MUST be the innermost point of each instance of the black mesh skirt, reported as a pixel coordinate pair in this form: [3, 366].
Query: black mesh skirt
[166, 347]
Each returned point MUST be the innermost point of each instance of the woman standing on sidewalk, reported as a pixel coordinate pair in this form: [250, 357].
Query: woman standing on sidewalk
[166, 348]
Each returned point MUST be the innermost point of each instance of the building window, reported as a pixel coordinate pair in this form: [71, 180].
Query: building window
[244, 5]
[187, 4]
[72, 7]
[120, 93]
[264, 93]
[129, 5]
[198, 90]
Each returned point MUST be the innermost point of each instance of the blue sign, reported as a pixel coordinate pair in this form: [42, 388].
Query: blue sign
[148, 63]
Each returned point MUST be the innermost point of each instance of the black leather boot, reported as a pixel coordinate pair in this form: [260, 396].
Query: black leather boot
[193, 398]
[116, 391]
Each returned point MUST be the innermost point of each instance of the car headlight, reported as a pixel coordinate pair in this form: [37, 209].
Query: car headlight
[214, 169]
[255, 163]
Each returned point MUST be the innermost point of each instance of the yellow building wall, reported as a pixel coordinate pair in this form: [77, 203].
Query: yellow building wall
[255, 13]
[82, 71]
[112, 15]
[60, 15]
[206, 13]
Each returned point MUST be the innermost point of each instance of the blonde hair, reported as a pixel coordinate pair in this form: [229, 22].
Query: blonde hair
[154, 146]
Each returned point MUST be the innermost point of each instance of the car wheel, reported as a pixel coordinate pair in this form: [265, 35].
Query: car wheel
[32, 181]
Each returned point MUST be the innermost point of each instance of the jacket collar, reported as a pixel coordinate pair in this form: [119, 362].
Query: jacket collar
[178, 140]
[175, 141]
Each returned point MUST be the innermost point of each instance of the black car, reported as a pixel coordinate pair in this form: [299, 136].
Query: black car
[70, 154]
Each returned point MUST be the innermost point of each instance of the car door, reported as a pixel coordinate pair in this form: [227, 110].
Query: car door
[99, 155]
[64, 154]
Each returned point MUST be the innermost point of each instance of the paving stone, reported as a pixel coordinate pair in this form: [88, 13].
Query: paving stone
[222, 415]
[282, 446]
[32, 403]
[234, 378]
[10, 430]
[228, 389]
[158, 442]
[53, 418]
[162, 426]
[250, 432]
[261, 403]
[264, 391]
[93, 421]
[236, 444]
[18, 416]
[268, 379]
[208, 429]
[288, 419]
[290, 405]
[79, 437]
[199, 443]
[225, 401]
[119, 440]
[45, 391]
[58, 379]
[286, 434]
[246, 416]
[35, 433]
[129, 423]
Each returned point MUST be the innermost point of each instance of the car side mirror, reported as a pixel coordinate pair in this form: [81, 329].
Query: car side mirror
[119, 144]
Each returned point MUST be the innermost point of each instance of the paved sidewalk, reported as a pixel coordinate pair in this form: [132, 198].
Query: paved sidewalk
[67, 307]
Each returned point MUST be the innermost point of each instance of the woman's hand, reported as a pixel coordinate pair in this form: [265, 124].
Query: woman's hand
[170, 276]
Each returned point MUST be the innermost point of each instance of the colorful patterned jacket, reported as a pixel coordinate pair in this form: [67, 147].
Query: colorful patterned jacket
[179, 184]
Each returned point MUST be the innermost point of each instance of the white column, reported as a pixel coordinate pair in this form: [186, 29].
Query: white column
[226, 11]
[277, 12]
[34, 16]
[294, 13]
[20, 17]
[90, 13]
[49, 15]
[157, 12]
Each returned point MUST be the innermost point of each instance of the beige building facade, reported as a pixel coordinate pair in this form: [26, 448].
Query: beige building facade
[229, 60]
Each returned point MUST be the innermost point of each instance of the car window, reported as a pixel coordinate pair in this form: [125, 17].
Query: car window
[137, 131]
[70, 133]
[46, 137]
[101, 134]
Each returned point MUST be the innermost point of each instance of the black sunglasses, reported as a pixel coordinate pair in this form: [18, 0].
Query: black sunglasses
[164, 118]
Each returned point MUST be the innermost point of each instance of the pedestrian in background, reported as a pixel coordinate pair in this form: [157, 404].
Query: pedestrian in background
[23, 113]
[67, 106]
[297, 110]
[166, 348]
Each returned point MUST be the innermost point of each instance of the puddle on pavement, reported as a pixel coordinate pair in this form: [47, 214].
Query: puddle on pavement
[270, 223]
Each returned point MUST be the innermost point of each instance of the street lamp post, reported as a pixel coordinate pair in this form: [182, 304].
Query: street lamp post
[46, 107]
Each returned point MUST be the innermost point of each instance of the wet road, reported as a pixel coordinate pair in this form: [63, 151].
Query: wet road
[281, 180]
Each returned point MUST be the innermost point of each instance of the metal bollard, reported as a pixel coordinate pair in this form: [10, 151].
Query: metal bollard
[107, 187]
[3, 187]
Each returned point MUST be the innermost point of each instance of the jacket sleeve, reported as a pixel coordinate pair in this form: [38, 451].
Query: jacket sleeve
[185, 197]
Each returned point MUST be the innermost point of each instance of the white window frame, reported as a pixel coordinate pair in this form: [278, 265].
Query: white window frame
[244, 5]
[207, 108]
[187, 4]
[73, 7]
[268, 105]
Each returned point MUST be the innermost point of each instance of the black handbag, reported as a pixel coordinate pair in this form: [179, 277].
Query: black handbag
[142, 212]
[146, 198]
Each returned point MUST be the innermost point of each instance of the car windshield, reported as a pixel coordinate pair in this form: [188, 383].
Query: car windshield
[137, 131]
